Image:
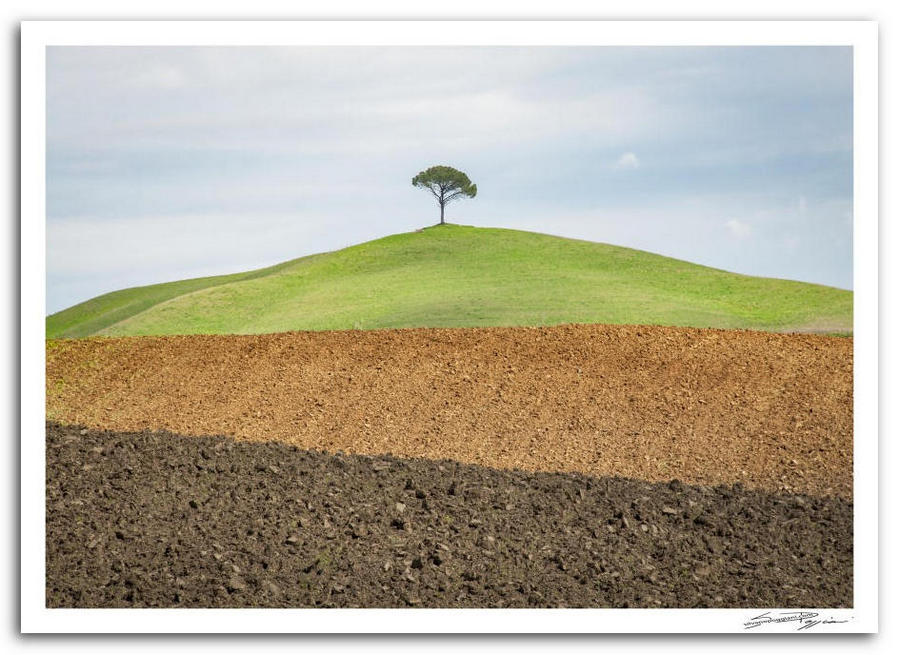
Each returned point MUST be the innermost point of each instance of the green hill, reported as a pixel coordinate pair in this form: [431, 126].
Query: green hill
[453, 275]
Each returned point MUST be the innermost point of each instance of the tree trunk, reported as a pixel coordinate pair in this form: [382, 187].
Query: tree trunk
[442, 213]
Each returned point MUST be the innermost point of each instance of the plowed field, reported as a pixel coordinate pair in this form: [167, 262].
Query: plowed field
[162, 520]
[707, 407]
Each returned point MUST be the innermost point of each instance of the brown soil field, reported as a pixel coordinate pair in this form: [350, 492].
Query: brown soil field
[161, 520]
[708, 407]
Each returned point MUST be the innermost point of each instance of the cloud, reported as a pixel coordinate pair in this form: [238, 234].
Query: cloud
[738, 229]
[336, 100]
[162, 77]
[628, 160]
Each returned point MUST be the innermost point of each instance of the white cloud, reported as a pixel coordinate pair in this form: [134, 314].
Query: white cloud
[161, 77]
[335, 100]
[738, 228]
[628, 160]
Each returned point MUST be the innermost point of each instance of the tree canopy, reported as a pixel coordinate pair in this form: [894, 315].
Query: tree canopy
[446, 184]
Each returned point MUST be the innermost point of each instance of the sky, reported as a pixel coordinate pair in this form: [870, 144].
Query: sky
[165, 163]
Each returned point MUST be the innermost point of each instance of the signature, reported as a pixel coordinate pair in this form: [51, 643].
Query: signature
[806, 620]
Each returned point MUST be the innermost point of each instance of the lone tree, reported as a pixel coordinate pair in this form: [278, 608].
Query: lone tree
[445, 184]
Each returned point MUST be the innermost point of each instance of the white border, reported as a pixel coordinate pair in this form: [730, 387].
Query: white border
[862, 35]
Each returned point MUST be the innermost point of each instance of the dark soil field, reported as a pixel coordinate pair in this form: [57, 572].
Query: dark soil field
[708, 407]
[163, 520]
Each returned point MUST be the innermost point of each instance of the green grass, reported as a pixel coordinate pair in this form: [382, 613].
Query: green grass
[455, 275]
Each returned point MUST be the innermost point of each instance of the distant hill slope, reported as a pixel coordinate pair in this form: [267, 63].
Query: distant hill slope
[452, 275]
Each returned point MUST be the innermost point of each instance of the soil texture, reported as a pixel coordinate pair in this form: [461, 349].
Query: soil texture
[153, 519]
[708, 407]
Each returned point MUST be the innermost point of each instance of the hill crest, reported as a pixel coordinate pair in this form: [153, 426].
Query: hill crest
[462, 276]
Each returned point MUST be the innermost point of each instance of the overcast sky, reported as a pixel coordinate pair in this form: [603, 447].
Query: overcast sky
[169, 162]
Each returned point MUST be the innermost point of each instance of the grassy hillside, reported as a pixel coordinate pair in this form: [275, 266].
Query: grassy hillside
[454, 275]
